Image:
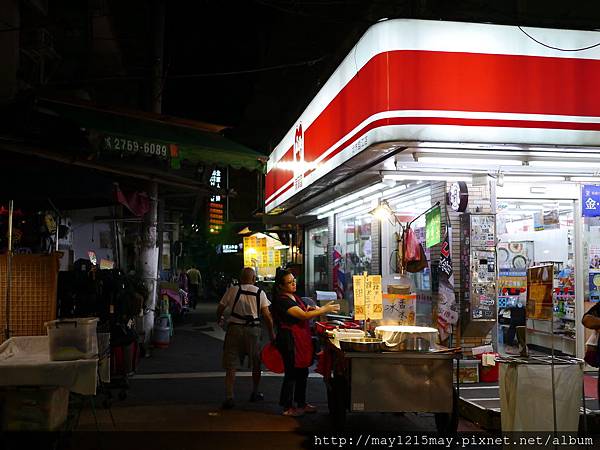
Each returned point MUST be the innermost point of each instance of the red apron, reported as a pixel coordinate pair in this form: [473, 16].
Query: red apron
[303, 345]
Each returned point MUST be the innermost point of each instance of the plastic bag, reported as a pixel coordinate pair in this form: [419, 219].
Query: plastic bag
[411, 250]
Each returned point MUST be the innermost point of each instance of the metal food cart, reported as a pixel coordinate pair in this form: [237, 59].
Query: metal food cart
[403, 381]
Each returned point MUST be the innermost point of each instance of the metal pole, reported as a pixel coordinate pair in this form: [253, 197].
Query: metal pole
[552, 360]
[9, 268]
[57, 229]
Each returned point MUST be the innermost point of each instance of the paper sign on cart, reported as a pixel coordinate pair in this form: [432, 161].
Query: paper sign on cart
[400, 308]
[358, 282]
[373, 297]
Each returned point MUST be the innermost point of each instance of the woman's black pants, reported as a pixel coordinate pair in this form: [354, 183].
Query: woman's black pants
[294, 387]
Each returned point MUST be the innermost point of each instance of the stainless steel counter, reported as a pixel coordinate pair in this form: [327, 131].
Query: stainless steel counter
[401, 382]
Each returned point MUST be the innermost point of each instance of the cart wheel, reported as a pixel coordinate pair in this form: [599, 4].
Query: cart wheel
[122, 395]
[447, 423]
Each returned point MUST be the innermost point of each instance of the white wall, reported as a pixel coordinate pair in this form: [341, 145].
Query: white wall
[86, 233]
[549, 245]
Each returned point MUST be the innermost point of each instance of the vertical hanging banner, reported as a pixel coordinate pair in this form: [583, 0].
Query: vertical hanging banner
[433, 226]
[447, 314]
[590, 200]
[358, 283]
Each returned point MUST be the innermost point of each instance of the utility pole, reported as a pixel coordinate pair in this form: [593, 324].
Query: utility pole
[150, 253]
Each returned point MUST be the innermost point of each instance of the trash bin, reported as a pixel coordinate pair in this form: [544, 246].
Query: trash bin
[488, 373]
[526, 394]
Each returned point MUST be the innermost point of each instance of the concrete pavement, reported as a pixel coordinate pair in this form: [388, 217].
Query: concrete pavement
[180, 390]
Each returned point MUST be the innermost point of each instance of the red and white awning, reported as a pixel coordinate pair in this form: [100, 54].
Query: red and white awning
[414, 80]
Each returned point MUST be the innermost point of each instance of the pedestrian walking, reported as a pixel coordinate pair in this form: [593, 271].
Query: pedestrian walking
[195, 284]
[248, 304]
[291, 316]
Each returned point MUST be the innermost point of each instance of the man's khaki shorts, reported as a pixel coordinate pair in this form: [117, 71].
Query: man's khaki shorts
[241, 341]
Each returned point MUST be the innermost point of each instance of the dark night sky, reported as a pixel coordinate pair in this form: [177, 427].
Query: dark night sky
[228, 36]
[215, 51]
[221, 37]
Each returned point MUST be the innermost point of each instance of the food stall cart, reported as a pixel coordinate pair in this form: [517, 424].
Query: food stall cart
[366, 376]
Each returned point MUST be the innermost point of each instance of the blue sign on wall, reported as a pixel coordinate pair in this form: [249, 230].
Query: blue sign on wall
[590, 200]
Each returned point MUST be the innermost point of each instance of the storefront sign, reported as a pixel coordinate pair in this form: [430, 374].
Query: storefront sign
[458, 196]
[404, 69]
[128, 145]
[229, 248]
[433, 225]
[590, 200]
[216, 206]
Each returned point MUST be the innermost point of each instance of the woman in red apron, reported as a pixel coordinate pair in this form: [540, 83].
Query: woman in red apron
[294, 342]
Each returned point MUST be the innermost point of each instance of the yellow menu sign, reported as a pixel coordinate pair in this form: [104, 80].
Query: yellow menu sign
[368, 301]
[358, 282]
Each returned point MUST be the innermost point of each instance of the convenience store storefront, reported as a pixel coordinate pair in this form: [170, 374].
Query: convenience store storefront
[417, 105]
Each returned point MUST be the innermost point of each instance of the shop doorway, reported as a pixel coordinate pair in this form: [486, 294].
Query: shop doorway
[533, 232]
[317, 245]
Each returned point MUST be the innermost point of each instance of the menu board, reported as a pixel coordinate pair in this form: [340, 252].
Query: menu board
[539, 292]
[400, 308]
[358, 282]
[257, 253]
[367, 297]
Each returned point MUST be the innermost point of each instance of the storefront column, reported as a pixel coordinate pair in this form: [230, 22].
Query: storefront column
[330, 246]
[579, 279]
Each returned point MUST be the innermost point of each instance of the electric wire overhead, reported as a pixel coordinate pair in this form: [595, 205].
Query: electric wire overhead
[557, 48]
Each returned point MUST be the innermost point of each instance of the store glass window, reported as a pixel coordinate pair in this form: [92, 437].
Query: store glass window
[353, 252]
[535, 232]
[316, 262]
[407, 206]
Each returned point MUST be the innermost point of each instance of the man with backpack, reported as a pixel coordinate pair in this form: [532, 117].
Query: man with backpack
[249, 307]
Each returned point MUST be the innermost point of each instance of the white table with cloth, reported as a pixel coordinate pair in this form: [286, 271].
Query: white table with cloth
[526, 394]
[25, 361]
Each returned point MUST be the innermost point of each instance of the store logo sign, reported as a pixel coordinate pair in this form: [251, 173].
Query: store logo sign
[458, 196]
[298, 156]
[590, 200]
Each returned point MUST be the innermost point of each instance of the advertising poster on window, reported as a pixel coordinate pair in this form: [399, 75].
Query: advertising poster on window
[539, 292]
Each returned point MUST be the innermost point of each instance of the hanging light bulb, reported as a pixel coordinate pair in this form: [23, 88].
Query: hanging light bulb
[383, 211]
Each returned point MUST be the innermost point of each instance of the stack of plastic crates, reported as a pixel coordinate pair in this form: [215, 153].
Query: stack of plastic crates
[32, 294]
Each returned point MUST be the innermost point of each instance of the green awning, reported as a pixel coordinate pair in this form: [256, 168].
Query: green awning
[197, 142]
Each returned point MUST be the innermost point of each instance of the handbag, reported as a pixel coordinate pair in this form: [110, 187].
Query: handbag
[591, 350]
